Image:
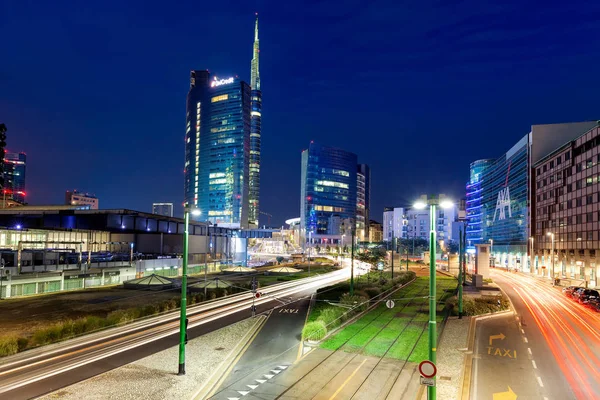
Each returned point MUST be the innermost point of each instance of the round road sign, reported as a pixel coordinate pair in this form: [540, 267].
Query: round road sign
[427, 369]
[390, 304]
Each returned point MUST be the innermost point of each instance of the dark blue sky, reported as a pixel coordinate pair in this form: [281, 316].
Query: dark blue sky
[94, 92]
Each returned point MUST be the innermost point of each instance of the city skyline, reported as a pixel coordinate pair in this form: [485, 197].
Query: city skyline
[455, 92]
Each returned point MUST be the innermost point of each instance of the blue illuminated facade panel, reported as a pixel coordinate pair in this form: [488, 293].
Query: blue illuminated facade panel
[328, 189]
[217, 148]
[497, 200]
[14, 176]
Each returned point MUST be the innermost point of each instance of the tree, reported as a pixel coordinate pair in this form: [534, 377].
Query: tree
[345, 248]
[452, 246]
[318, 249]
[279, 259]
[328, 249]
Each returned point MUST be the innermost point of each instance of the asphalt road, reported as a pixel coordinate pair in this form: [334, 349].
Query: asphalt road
[561, 336]
[37, 372]
[274, 348]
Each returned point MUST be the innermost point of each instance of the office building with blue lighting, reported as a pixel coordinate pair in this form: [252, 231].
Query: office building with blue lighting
[217, 148]
[14, 177]
[328, 204]
[255, 134]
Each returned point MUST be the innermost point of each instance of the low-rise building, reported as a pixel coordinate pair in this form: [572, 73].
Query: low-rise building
[375, 232]
[76, 198]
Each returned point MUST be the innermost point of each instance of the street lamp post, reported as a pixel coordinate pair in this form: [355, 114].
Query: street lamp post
[552, 255]
[433, 202]
[531, 267]
[183, 308]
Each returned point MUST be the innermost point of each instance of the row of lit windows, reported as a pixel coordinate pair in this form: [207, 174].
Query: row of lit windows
[219, 98]
[333, 184]
[330, 209]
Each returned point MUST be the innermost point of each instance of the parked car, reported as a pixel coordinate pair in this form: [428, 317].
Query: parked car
[568, 291]
[582, 295]
[594, 304]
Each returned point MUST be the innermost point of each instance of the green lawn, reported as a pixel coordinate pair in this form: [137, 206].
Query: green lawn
[394, 332]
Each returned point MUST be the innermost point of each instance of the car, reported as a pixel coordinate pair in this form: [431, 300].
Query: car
[585, 295]
[569, 290]
[594, 304]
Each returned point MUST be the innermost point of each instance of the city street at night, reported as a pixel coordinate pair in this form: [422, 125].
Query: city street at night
[560, 336]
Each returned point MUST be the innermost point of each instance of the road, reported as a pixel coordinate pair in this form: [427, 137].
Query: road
[39, 371]
[560, 336]
[273, 350]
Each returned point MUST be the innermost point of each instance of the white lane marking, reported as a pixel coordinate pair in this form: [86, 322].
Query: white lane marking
[282, 367]
[545, 398]
[529, 350]
[275, 371]
[243, 392]
[233, 398]
[269, 376]
[534, 364]
[252, 386]
[522, 331]
[540, 381]
[525, 339]
[260, 380]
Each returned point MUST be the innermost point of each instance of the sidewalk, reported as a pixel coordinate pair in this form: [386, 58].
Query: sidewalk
[451, 359]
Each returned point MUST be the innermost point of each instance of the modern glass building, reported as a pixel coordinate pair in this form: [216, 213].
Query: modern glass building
[497, 211]
[255, 132]
[14, 177]
[217, 148]
[474, 202]
[328, 192]
[363, 201]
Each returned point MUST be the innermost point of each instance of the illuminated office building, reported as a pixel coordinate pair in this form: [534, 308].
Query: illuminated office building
[328, 193]
[14, 177]
[363, 201]
[217, 148]
[255, 133]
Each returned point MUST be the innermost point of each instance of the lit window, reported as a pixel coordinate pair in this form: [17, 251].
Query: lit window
[218, 181]
[255, 113]
[219, 98]
[333, 184]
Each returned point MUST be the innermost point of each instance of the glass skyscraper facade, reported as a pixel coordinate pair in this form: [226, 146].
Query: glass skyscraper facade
[14, 176]
[363, 201]
[217, 148]
[328, 190]
[255, 133]
[497, 210]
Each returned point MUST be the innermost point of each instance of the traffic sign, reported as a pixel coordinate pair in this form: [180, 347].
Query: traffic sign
[427, 381]
[380, 266]
[427, 369]
[390, 304]
[257, 295]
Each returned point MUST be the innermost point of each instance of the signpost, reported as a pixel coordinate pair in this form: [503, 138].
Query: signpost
[428, 370]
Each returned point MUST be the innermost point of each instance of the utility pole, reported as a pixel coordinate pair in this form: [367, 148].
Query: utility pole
[352, 265]
[393, 252]
[461, 250]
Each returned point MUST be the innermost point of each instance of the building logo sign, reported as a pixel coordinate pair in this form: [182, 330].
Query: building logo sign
[502, 204]
[219, 82]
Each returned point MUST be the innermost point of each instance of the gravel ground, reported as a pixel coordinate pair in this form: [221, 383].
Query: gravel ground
[155, 377]
[451, 358]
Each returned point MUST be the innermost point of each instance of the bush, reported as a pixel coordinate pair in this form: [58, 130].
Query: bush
[8, 345]
[93, 323]
[357, 302]
[22, 343]
[48, 335]
[315, 330]
[372, 292]
[331, 316]
[120, 317]
[478, 306]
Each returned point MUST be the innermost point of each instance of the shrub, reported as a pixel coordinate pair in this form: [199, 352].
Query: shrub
[93, 323]
[168, 305]
[120, 317]
[315, 330]
[357, 302]
[47, 335]
[9, 345]
[372, 292]
[331, 316]
[478, 306]
[150, 309]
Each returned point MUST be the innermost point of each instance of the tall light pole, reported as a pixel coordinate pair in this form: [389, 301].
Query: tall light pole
[183, 310]
[433, 202]
[531, 256]
[552, 255]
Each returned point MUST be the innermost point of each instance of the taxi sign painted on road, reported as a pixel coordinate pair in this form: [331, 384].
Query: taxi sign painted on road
[427, 369]
[427, 381]
[390, 304]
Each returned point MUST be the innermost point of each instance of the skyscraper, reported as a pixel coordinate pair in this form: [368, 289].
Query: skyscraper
[14, 176]
[217, 148]
[363, 201]
[255, 132]
[328, 193]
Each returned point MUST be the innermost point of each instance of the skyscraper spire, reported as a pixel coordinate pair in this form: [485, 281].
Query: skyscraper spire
[254, 74]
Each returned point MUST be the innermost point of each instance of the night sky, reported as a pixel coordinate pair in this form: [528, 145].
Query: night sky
[94, 92]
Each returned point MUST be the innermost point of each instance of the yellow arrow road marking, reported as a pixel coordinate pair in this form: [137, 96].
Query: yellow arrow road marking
[494, 337]
[510, 395]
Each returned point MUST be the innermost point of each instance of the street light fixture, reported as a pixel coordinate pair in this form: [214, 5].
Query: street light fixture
[183, 309]
[552, 255]
[433, 202]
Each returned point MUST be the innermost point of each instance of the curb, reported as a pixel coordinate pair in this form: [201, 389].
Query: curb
[222, 371]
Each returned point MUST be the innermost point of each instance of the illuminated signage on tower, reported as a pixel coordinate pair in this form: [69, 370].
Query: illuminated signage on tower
[502, 203]
[219, 82]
